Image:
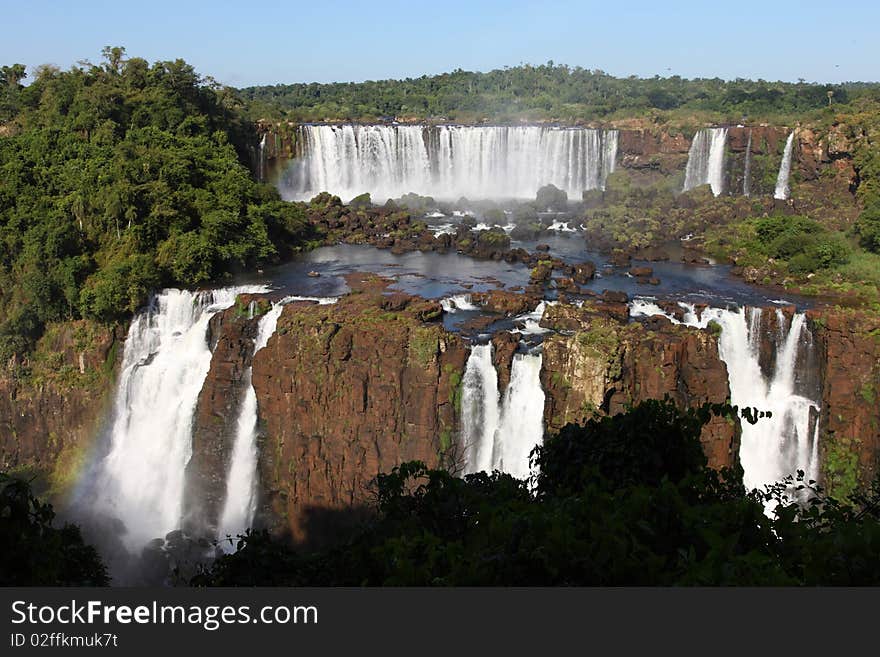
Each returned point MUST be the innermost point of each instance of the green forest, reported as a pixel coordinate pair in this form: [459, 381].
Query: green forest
[119, 178]
[546, 92]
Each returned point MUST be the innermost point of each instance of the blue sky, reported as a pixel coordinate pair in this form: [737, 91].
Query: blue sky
[244, 43]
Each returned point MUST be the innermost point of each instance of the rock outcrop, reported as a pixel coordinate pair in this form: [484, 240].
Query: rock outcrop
[49, 417]
[600, 366]
[347, 391]
[214, 426]
[850, 423]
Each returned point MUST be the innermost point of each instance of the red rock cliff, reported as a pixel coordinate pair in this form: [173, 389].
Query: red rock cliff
[850, 423]
[347, 391]
[604, 365]
[49, 417]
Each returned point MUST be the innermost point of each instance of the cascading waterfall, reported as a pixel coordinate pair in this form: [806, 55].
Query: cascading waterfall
[522, 417]
[705, 163]
[782, 189]
[166, 358]
[747, 170]
[449, 161]
[480, 409]
[241, 480]
[778, 446]
[500, 434]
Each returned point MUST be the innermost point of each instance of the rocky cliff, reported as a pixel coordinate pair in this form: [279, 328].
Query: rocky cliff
[52, 405]
[850, 423]
[347, 391]
[231, 334]
[599, 364]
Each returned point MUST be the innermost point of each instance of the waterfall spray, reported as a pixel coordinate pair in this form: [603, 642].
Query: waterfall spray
[450, 161]
[140, 481]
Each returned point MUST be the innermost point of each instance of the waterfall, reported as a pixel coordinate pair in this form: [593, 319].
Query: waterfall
[747, 171]
[458, 302]
[500, 435]
[480, 409]
[449, 161]
[782, 190]
[774, 447]
[522, 417]
[261, 171]
[241, 480]
[705, 163]
[165, 361]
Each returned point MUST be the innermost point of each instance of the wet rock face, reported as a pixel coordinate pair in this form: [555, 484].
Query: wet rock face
[214, 425]
[603, 366]
[504, 346]
[849, 349]
[347, 391]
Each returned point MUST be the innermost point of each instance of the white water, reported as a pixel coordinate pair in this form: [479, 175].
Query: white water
[443, 229]
[531, 322]
[747, 170]
[522, 417]
[480, 409]
[241, 480]
[458, 302]
[500, 435]
[449, 161]
[705, 163]
[782, 189]
[261, 173]
[562, 226]
[778, 446]
[165, 361]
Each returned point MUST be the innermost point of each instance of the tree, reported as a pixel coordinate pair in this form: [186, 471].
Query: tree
[120, 179]
[33, 552]
[623, 500]
[12, 75]
[868, 227]
[113, 55]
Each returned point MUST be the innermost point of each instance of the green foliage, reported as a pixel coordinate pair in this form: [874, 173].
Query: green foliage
[120, 178]
[841, 468]
[495, 216]
[622, 500]
[35, 553]
[868, 227]
[416, 203]
[423, 346]
[603, 341]
[652, 442]
[547, 91]
[495, 238]
[455, 386]
[805, 244]
[798, 243]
